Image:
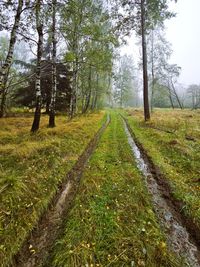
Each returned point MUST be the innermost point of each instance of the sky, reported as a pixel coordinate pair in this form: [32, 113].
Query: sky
[183, 32]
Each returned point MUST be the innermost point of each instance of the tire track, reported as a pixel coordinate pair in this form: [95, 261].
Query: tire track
[178, 229]
[39, 243]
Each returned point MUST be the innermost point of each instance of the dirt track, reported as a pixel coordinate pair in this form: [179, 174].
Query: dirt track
[37, 246]
[182, 234]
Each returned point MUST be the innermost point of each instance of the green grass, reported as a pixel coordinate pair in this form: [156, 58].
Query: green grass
[112, 222]
[172, 140]
[32, 167]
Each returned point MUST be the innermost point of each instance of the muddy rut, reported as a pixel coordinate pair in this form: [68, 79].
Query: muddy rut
[182, 235]
[37, 246]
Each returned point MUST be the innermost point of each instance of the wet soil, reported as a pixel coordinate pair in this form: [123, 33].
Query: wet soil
[183, 236]
[39, 243]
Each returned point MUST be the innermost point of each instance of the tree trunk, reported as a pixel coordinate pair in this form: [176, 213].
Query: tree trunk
[39, 25]
[88, 97]
[94, 99]
[152, 70]
[193, 102]
[54, 89]
[47, 106]
[121, 97]
[176, 95]
[3, 104]
[4, 70]
[144, 58]
[170, 95]
[73, 99]
[171, 101]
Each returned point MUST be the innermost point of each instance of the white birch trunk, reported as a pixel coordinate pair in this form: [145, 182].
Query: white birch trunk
[39, 26]
[54, 87]
[4, 70]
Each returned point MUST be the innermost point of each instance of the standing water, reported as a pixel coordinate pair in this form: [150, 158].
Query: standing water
[177, 235]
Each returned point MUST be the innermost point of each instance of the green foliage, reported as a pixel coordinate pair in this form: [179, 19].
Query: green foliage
[70, 57]
[156, 11]
[86, 27]
[124, 81]
[160, 96]
[3, 48]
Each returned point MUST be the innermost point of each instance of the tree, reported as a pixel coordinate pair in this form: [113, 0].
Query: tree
[38, 102]
[163, 75]
[124, 81]
[4, 69]
[87, 31]
[24, 95]
[73, 15]
[159, 51]
[142, 16]
[144, 63]
[194, 92]
[53, 93]
[169, 79]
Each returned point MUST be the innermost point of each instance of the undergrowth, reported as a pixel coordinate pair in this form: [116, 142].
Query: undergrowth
[112, 222]
[31, 168]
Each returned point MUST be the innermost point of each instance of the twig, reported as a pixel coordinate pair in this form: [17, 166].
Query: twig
[4, 188]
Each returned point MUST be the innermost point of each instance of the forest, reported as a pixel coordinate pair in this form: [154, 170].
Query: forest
[99, 148]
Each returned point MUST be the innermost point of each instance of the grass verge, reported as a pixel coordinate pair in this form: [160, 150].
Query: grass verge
[172, 140]
[31, 169]
[112, 222]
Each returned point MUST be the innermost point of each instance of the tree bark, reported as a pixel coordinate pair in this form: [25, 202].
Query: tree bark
[176, 95]
[54, 87]
[88, 97]
[73, 101]
[152, 70]
[94, 99]
[39, 26]
[170, 96]
[144, 59]
[4, 70]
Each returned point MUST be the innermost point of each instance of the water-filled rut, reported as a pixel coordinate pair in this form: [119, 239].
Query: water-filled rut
[178, 237]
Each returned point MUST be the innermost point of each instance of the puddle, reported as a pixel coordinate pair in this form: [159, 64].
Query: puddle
[177, 235]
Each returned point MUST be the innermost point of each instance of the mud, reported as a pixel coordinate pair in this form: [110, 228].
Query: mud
[182, 235]
[39, 243]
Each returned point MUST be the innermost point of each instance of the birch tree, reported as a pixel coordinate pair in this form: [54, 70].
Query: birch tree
[53, 93]
[4, 69]
[38, 101]
[89, 38]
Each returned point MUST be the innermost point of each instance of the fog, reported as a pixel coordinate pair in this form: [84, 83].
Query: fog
[183, 32]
